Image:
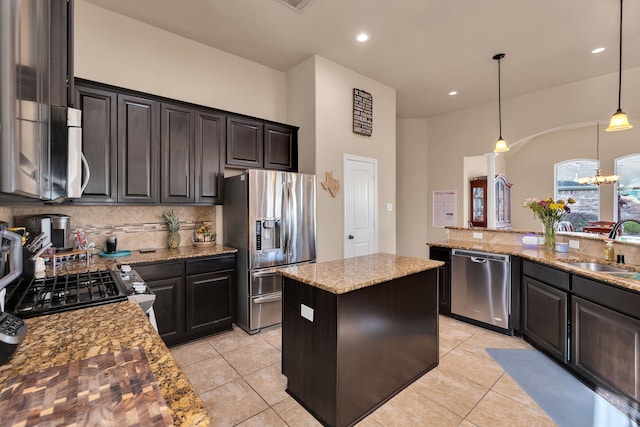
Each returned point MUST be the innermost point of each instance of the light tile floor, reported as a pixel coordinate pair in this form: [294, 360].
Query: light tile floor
[238, 378]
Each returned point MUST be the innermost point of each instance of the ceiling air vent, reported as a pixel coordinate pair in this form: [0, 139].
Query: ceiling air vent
[297, 5]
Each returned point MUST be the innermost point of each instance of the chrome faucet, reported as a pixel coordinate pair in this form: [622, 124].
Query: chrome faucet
[616, 226]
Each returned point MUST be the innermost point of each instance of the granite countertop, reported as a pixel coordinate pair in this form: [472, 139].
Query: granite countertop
[59, 339]
[346, 275]
[97, 262]
[554, 259]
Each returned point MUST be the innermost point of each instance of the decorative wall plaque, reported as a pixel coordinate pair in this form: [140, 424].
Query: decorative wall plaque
[362, 112]
[331, 184]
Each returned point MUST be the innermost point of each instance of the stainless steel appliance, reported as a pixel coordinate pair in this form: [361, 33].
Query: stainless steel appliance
[12, 329]
[270, 217]
[481, 287]
[36, 297]
[40, 141]
[60, 228]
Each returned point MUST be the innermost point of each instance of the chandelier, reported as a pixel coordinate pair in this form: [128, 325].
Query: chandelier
[598, 179]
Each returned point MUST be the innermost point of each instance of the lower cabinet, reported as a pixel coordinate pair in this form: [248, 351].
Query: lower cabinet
[605, 345]
[193, 297]
[444, 278]
[545, 317]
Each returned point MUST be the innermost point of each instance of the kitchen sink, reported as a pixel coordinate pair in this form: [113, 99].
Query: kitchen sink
[597, 267]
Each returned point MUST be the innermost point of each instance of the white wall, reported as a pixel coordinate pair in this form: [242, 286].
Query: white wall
[411, 190]
[473, 131]
[114, 49]
[301, 111]
[531, 165]
[335, 137]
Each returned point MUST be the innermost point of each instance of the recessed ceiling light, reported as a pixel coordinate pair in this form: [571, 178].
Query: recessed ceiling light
[453, 92]
[362, 37]
[598, 50]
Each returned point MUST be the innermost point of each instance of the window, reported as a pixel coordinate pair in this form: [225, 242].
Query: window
[587, 197]
[628, 194]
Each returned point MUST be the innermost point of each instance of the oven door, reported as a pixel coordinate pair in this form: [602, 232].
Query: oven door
[266, 310]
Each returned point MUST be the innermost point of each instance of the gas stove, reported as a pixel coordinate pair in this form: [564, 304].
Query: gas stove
[36, 297]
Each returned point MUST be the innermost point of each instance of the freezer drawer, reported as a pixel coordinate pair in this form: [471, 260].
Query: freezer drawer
[265, 281]
[266, 310]
[481, 287]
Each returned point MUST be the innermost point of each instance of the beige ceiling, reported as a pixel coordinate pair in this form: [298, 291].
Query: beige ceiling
[422, 48]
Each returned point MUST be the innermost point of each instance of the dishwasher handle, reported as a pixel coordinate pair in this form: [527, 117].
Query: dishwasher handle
[478, 260]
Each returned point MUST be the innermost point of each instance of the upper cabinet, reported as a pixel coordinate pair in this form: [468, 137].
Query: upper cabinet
[138, 149]
[280, 147]
[245, 143]
[210, 131]
[99, 142]
[261, 145]
[147, 149]
[478, 201]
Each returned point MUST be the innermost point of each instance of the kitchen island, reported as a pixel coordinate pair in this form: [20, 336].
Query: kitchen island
[74, 336]
[357, 331]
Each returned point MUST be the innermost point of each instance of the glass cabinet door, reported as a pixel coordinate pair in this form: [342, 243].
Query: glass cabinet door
[478, 195]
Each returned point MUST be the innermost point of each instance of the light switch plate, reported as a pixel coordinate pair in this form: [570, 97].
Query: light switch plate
[477, 235]
[574, 244]
[306, 312]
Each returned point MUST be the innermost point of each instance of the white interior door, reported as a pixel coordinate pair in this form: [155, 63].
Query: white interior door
[360, 201]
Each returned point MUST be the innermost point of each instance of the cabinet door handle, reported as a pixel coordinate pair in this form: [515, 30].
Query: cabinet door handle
[350, 236]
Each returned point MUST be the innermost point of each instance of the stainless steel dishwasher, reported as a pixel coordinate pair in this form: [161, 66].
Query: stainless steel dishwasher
[481, 287]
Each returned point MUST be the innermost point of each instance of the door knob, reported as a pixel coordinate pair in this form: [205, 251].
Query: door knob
[350, 237]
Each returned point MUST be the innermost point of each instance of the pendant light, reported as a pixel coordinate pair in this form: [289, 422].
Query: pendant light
[619, 120]
[501, 144]
[598, 179]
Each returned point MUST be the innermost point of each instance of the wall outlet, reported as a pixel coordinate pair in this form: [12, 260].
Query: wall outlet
[477, 235]
[306, 312]
[574, 244]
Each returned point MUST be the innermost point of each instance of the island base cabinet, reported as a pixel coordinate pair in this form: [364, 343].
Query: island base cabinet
[344, 355]
[606, 346]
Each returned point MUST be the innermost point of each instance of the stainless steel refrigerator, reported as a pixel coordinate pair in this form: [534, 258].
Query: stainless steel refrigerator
[270, 217]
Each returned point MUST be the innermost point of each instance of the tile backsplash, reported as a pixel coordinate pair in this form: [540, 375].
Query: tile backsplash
[135, 227]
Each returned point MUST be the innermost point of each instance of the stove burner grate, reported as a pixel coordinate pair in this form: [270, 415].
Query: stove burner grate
[61, 293]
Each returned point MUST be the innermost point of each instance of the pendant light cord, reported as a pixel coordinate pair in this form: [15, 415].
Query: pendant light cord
[499, 102]
[619, 63]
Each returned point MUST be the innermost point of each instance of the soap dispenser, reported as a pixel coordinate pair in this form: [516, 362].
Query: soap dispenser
[609, 251]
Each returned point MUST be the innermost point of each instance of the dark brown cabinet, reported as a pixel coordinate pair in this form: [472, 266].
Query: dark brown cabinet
[605, 346]
[258, 144]
[545, 317]
[545, 308]
[138, 149]
[177, 154]
[280, 148]
[444, 278]
[193, 297]
[244, 143]
[166, 280]
[99, 141]
[210, 131]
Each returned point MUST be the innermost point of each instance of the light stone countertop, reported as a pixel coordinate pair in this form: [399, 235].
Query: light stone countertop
[61, 338]
[97, 262]
[551, 258]
[346, 275]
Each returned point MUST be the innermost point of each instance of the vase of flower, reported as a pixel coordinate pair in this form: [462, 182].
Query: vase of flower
[550, 212]
[549, 229]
